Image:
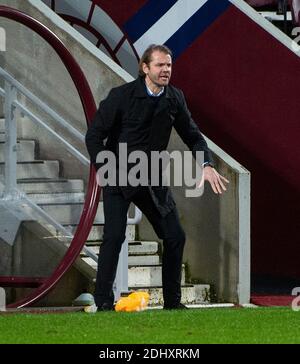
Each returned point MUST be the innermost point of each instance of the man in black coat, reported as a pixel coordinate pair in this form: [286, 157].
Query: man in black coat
[142, 114]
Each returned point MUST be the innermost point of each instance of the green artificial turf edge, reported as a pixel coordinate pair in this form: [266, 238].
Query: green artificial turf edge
[193, 326]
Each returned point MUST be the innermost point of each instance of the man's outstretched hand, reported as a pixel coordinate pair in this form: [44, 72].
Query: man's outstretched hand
[216, 181]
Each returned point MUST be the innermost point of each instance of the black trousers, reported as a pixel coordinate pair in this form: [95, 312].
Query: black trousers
[167, 228]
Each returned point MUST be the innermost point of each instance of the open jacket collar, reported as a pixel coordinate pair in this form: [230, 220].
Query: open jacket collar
[141, 92]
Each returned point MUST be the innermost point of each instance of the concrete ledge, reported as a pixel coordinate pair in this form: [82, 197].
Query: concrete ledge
[234, 212]
[63, 25]
[217, 229]
[190, 294]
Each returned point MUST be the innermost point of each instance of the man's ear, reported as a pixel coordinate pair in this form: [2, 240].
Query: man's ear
[145, 68]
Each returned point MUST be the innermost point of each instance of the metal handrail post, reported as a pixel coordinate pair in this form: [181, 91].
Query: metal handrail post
[10, 139]
[121, 281]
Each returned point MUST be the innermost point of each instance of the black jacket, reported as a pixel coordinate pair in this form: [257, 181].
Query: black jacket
[126, 116]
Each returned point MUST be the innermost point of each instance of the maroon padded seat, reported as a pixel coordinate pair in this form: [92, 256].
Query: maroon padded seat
[257, 3]
[295, 8]
[294, 5]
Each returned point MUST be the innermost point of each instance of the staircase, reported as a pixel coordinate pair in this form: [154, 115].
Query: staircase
[144, 270]
[63, 200]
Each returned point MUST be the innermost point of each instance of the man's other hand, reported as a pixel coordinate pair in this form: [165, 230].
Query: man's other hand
[216, 181]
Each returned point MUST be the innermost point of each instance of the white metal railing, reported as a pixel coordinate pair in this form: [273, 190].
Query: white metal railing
[12, 86]
[13, 197]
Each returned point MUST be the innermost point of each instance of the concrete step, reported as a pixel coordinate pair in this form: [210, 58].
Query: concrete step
[140, 276]
[57, 198]
[25, 151]
[190, 294]
[2, 124]
[135, 247]
[69, 214]
[145, 248]
[147, 276]
[96, 234]
[136, 260]
[142, 260]
[140, 253]
[36, 169]
[146, 259]
[130, 233]
[46, 186]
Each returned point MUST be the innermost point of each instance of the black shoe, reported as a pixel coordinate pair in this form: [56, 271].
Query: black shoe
[178, 306]
[106, 307]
